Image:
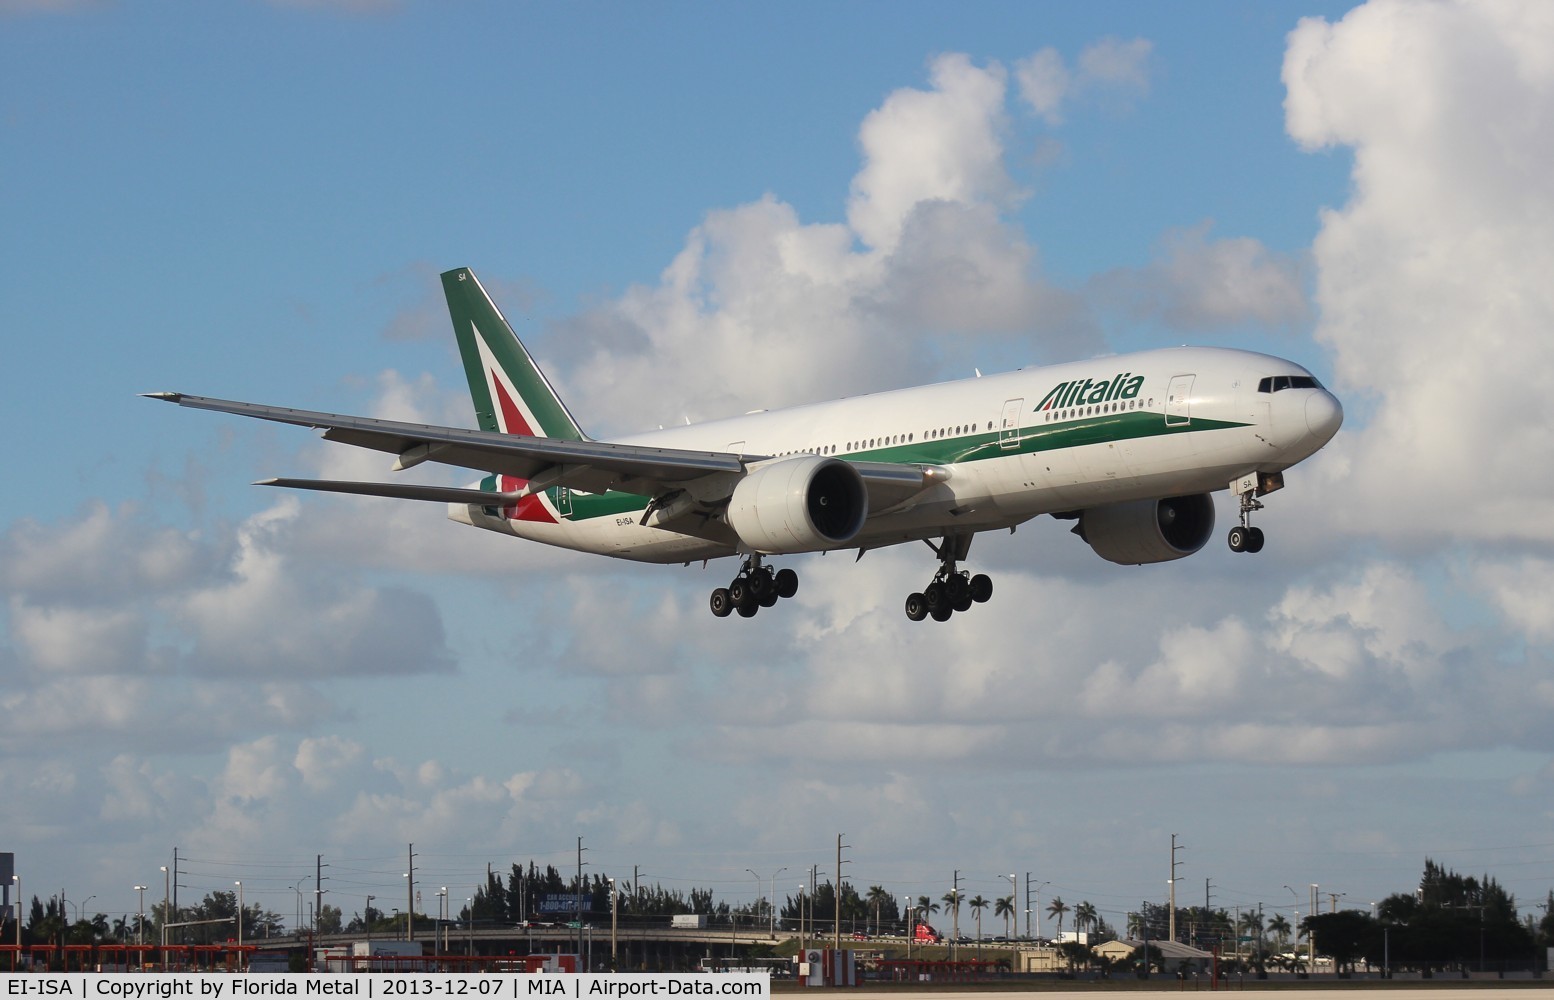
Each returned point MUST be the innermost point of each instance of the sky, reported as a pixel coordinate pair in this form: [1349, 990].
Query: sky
[689, 211]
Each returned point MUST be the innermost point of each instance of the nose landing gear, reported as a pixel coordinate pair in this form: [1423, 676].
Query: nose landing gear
[755, 587]
[1243, 537]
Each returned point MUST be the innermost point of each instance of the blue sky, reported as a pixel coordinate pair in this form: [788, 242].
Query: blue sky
[253, 201]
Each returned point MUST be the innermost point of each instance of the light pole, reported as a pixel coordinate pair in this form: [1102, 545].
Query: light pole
[298, 887]
[239, 884]
[803, 939]
[18, 880]
[142, 918]
[613, 920]
[367, 919]
[911, 931]
[167, 896]
[469, 907]
[1014, 890]
[442, 914]
[771, 910]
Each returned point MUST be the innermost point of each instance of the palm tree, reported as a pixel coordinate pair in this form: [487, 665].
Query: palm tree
[1085, 916]
[952, 906]
[978, 904]
[1057, 908]
[1279, 928]
[877, 896]
[1004, 907]
[1136, 925]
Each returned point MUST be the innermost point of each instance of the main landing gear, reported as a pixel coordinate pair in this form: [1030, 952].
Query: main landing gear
[951, 589]
[755, 587]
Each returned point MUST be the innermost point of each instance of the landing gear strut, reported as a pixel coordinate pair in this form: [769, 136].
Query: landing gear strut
[1243, 537]
[754, 588]
[952, 589]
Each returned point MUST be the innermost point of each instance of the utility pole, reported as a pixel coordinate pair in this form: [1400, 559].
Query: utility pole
[409, 895]
[318, 884]
[1027, 904]
[1171, 923]
[578, 898]
[836, 932]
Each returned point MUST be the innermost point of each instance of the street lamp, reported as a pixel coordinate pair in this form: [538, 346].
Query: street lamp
[167, 908]
[239, 884]
[367, 918]
[442, 913]
[614, 897]
[1014, 889]
[771, 898]
[142, 918]
[18, 880]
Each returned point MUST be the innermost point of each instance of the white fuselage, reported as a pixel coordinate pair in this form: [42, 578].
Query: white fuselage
[1154, 424]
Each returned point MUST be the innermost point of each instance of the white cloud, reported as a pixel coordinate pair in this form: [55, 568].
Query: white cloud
[1196, 284]
[1111, 68]
[1432, 277]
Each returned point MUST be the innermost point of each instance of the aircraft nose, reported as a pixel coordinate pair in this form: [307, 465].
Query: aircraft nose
[1324, 414]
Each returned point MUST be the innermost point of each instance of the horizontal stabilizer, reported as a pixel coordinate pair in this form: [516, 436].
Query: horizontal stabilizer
[399, 491]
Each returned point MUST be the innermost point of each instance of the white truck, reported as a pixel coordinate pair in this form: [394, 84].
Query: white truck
[689, 921]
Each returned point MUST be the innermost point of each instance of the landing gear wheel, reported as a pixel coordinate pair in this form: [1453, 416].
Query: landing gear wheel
[740, 592]
[934, 597]
[787, 583]
[981, 588]
[1239, 538]
[722, 603]
[760, 582]
[747, 610]
[942, 613]
[1254, 539]
[916, 607]
[962, 600]
[768, 599]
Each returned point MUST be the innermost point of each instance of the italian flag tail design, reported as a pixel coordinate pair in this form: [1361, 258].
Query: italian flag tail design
[511, 394]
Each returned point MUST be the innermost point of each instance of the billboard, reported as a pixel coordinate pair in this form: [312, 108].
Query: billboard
[564, 902]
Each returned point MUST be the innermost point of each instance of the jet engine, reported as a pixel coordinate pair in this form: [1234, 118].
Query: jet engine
[1148, 531]
[799, 505]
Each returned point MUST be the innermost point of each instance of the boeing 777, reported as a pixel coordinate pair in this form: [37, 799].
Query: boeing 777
[1129, 447]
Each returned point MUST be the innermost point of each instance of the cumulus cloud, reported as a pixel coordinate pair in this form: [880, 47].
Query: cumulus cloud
[1431, 279]
[927, 252]
[1198, 284]
[163, 638]
[1111, 68]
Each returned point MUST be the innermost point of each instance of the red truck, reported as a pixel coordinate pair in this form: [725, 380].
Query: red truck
[925, 934]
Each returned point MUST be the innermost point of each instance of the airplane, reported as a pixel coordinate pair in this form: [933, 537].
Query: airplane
[1130, 447]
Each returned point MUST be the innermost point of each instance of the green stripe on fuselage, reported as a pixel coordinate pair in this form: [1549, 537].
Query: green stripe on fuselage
[1101, 428]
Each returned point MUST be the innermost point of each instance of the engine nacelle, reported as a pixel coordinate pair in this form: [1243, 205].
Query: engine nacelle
[799, 505]
[1148, 531]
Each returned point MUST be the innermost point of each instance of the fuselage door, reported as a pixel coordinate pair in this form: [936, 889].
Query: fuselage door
[562, 495]
[1009, 428]
[1178, 411]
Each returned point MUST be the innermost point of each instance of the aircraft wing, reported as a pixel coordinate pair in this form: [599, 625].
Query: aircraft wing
[594, 466]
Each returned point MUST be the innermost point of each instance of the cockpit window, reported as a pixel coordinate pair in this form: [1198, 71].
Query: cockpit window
[1277, 383]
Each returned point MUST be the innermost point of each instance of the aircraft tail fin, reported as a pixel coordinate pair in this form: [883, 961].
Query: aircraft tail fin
[511, 394]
